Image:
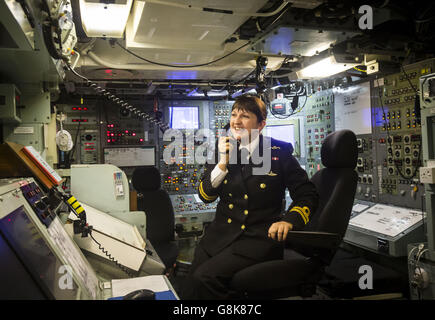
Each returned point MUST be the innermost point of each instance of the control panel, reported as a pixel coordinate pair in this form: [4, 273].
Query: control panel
[89, 146]
[191, 214]
[367, 188]
[179, 168]
[220, 113]
[181, 178]
[191, 204]
[398, 136]
[82, 122]
[384, 228]
[123, 128]
[318, 123]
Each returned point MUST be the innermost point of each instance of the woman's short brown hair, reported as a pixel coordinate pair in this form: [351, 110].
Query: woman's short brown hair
[251, 104]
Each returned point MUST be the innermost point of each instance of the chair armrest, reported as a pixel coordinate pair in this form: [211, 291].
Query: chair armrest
[313, 239]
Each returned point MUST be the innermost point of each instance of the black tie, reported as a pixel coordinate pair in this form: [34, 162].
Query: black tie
[243, 154]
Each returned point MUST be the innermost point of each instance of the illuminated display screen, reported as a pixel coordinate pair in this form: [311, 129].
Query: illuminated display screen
[284, 133]
[36, 255]
[279, 108]
[184, 117]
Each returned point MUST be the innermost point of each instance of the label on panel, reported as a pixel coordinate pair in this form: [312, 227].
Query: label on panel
[352, 109]
[129, 157]
[386, 220]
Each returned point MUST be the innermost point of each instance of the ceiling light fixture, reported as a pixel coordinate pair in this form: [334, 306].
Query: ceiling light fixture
[105, 19]
[324, 68]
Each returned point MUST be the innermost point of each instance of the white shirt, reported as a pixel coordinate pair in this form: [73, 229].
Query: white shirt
[217, 175]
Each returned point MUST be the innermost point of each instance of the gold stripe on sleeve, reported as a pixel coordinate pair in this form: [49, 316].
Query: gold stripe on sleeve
[301, 213]
[204, 195]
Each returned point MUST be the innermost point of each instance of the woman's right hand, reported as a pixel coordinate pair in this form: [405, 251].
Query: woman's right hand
[225, 148]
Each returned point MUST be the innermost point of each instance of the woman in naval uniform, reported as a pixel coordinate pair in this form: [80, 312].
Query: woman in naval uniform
[249, 225]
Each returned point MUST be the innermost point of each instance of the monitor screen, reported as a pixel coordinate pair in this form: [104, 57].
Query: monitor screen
[281, 132]
[31, 247]
[184, 117]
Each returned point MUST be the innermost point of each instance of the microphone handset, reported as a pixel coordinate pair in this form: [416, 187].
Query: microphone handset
[227, 133]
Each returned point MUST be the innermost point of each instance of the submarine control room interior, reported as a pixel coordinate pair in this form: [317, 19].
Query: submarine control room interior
[109, 110]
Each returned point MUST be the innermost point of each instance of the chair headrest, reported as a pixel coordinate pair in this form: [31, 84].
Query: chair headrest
[340, 150]
[146, 179]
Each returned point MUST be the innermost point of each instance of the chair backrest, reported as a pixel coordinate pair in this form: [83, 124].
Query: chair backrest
[160, 222]
[336, 183]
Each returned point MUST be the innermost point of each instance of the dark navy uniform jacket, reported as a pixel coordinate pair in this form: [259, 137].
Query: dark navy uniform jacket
[249, 204]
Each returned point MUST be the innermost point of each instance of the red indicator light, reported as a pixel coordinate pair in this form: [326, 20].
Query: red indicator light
[141, 140]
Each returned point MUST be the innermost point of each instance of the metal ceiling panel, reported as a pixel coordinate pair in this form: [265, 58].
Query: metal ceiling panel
[166, 27]
[299, 41]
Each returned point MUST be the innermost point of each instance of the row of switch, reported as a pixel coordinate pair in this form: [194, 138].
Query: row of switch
[319, 130]
[398, 125]
[401, 91]
[396, 114]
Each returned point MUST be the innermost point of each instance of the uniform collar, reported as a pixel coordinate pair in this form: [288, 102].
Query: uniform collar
[252, 145]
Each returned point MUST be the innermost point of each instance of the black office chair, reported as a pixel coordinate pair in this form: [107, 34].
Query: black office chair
[308, 252]
[160, 219]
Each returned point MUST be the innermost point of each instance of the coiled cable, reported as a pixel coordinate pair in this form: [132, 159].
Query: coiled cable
[111, 258]
[121, 103]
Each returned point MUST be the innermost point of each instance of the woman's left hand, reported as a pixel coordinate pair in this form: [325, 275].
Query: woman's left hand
[278, 230]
